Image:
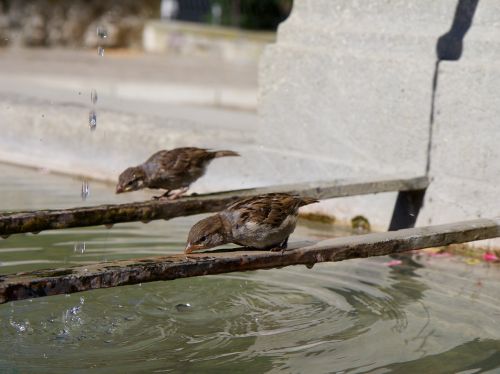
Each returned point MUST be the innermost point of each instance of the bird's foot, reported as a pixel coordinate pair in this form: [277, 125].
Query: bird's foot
[172, 195]
[162, 197]
[277, 249]
[281, 248]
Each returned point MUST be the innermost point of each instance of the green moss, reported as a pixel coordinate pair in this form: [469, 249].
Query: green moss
[467, 250]
[360, 224]
[317, 217]
[52, 273]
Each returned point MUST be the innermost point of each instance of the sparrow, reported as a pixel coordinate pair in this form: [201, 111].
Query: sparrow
[261, 222]
[170, 170]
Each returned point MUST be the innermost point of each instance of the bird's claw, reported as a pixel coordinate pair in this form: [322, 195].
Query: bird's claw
[279, 249]
[171, 195]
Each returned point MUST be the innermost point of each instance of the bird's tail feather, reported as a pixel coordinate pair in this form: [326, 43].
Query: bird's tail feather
[308, 200]
[225, 154]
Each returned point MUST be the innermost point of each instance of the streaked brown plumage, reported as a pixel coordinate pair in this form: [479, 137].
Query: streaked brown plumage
[170, 170]
[263, 222]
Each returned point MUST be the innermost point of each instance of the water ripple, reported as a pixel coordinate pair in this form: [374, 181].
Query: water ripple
[271, 319]
[356, 316]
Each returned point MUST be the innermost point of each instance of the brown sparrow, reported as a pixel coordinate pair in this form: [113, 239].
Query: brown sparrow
[169, 170]
[263, 222]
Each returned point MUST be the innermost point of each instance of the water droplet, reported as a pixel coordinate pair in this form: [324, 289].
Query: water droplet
[183, 307]
[82, 300]
[5, 236]
[100, 51]
[92, 120]
[109, 225]
[85, 189]
[80, 247]
[63, 334]
[20, 326]
[310, 266]
[102, 32]
[93, 96]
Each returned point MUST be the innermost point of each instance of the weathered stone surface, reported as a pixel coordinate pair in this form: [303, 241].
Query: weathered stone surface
[465, 158]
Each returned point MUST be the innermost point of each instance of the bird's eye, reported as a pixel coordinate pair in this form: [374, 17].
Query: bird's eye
[204, 238]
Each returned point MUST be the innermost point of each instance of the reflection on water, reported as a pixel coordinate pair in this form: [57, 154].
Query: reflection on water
[428, 314]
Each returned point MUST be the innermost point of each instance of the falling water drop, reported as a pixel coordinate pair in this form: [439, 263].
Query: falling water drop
[92, 120]
[85, 190]
[63, 334]
[20, 326]
[183, 307]
[102, 32]
[100, 51]
[80, 247]
[93, 96]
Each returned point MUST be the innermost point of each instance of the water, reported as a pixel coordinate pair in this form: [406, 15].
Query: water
[93, 96]
[80, 247]
[85, 192]
[102, 33]
[92, 120]
[423, 314]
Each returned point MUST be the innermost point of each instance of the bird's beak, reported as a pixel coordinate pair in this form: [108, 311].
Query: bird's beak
[119, 189]
[190, 248]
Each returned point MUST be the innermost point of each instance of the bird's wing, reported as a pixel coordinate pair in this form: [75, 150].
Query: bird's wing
[271, 209]
[179, 160]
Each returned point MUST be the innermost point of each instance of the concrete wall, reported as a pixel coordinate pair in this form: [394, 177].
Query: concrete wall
[347, 90]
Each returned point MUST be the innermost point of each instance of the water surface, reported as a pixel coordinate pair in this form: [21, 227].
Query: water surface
[429, 314]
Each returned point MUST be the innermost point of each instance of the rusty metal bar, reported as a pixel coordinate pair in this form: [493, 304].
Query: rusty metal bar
[124, 272]
[36, 221]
